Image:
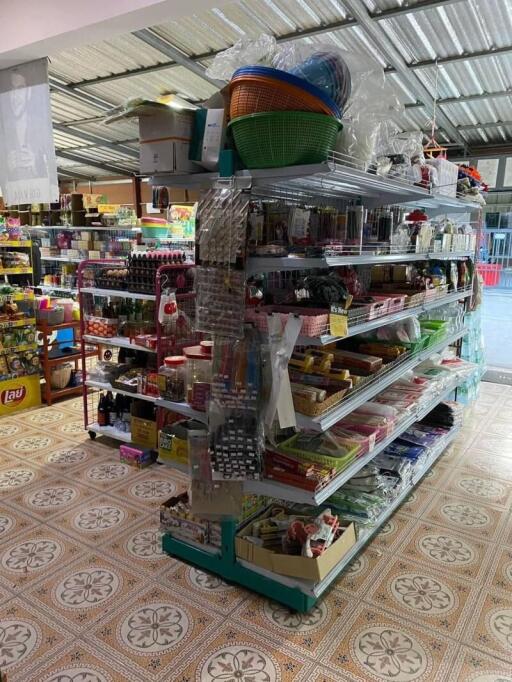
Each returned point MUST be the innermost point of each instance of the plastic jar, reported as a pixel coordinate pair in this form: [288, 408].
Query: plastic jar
[199, 375]
[172, 378]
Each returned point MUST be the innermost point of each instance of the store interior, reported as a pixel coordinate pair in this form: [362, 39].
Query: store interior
[255, 388]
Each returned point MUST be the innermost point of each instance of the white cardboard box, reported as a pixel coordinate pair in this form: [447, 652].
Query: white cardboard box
[165, 141]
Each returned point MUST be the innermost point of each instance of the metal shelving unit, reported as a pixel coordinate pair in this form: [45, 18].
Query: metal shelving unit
[297, 594]
[116, 342]
[381, 381]
[118, 293]
[359, 328]
[272, 264]
[334, 183]
[101, 386]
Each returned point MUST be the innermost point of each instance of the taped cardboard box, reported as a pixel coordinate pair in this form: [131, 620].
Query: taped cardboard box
[314, 569]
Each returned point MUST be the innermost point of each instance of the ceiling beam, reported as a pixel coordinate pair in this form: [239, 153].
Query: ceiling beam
[293, 35]
[70, 173]
[419, 6]
[97, 141]
[389, 52]
[85, 97]
[464, 98]
[453, 59]
[115, 170]
[485, 126]
[149, 37]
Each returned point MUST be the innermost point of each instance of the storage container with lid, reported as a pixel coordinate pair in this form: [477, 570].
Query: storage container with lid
[172, 378]
[199, 374]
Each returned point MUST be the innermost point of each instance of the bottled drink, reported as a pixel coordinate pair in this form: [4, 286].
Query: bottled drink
[103, 419]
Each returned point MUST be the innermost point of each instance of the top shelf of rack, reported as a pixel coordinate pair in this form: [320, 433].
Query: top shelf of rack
[338, 178]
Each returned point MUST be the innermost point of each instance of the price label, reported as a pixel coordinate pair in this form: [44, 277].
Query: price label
[338, 321]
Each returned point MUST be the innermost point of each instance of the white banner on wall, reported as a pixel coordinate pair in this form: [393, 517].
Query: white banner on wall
[28, 168]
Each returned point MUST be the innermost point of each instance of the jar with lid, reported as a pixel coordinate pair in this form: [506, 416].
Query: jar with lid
[172, 378]
[199, 375]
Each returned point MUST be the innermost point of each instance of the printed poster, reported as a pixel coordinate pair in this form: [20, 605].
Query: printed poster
[28, 171]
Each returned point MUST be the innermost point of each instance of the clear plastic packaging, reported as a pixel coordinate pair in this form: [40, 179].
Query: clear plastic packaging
[198, 375]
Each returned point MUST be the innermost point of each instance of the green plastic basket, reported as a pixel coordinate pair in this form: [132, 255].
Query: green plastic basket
[284, 138]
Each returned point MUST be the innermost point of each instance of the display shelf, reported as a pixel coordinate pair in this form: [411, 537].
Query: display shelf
[70, 357]
[50, 328]
[337, 178]
[61, 392]
[21, 296]
[56, 287]
[24, 244]
[297, 594]
[92, 228]
[110, 431]
[257, 265]
[119, 293]
[441, 202]
[26, 322]
[62, 259]
[293, 494]
[374, 386]
[16, 271]
[116, 342]
[102, 386]
[19, 349]
[315, 590]
[183, 409]
[355, 329]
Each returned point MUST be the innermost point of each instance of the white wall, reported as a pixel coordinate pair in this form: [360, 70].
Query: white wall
[37, 28]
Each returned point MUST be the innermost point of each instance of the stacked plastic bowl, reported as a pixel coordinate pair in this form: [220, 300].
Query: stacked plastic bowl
[281, 119]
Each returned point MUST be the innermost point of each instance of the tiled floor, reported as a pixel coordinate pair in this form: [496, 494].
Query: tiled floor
[87, 596]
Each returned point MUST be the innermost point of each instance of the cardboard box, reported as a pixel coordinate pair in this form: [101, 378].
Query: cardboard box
[165, 137]
[295, 566]
[19, 394]
[143, 425]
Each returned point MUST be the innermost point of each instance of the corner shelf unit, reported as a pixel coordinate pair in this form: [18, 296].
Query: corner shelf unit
[333, 183]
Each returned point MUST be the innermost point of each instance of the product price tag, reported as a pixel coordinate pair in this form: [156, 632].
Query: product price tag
[338, 321]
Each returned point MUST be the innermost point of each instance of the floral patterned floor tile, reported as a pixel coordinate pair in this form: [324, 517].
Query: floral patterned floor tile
[394, 532]
[447, 550]
[19, 475]
[202, 587]
[153, 632]
[318, 673]
[140, 547]
[361, 571]
[480, 487]
[105, 474]
[466, 515]
[27, 639]
[418, 500]
[490, 627]
[99, 520]
[373, 645]
[47, 418]
[78, 662]
[149, 489]
[494, 444]
[67, 459]
[304, 633]
[13, 522]
[10, 426]
[486, 463]
[46, 499]
[85, 591]
[235, 654]
[501, 570]
[32, 442]
[28, 557]
[435, 600]
[438, 476]
[472, 665]
[498, 427]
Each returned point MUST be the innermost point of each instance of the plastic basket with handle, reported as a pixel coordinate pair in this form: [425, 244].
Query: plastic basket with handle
[284, 138]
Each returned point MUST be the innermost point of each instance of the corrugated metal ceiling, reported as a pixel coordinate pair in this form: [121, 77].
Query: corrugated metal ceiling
[421, 30]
